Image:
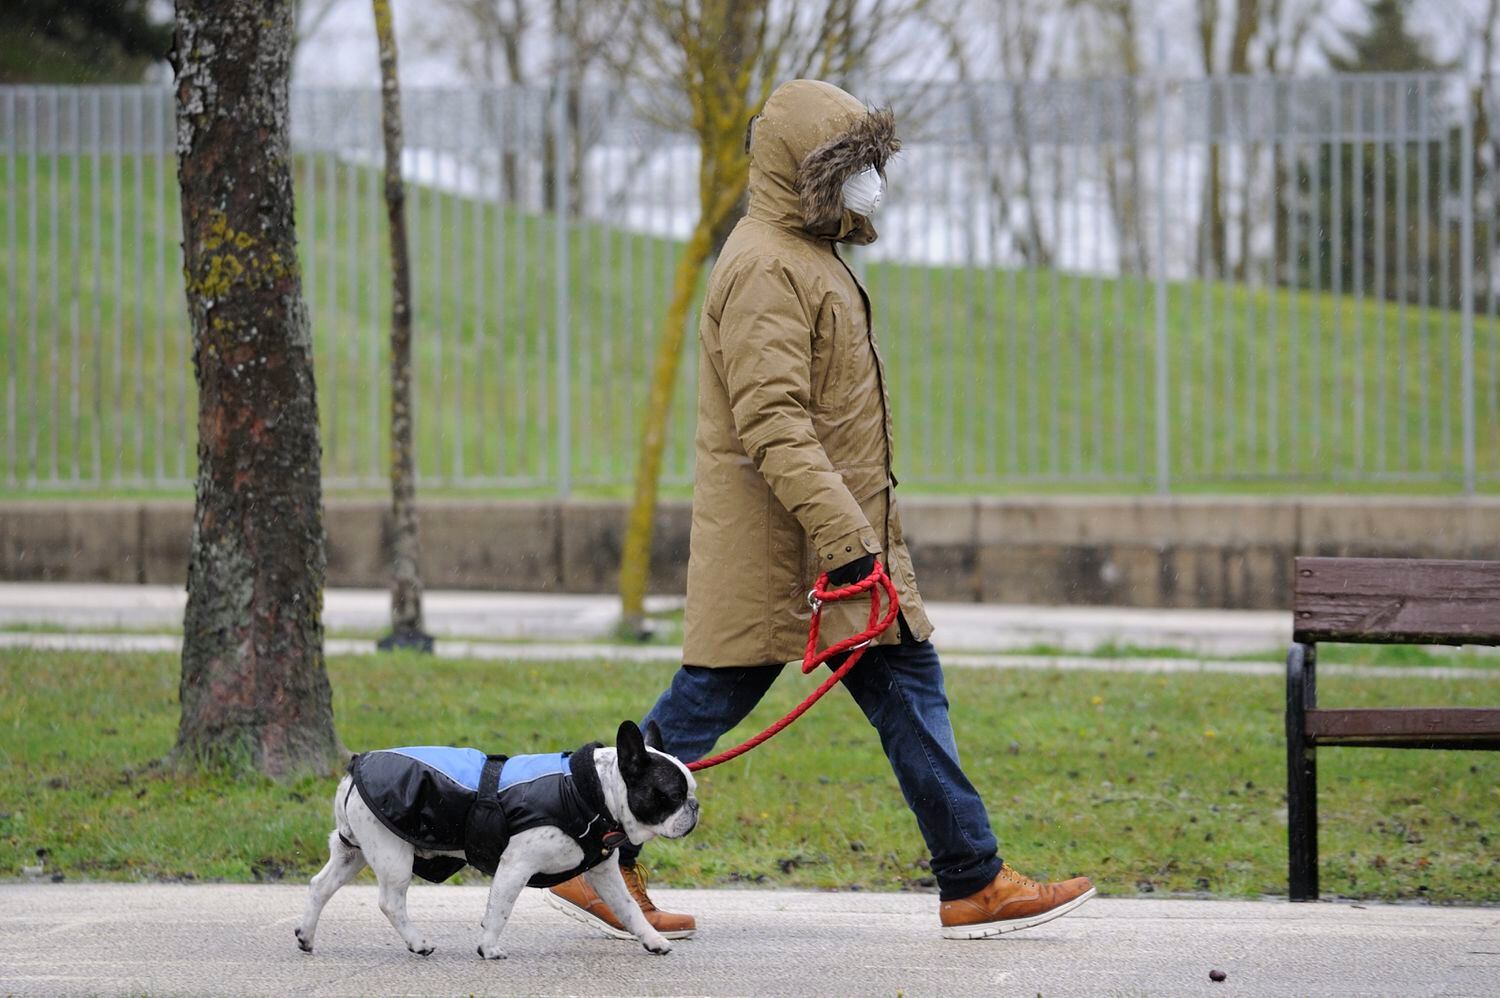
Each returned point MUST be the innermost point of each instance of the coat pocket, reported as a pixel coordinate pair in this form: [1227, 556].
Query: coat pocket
[864, 481]
[830, 361]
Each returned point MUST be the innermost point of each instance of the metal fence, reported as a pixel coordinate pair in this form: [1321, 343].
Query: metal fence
[1145, 283]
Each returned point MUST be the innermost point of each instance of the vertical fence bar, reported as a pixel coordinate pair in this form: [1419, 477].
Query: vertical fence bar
[54, 276]
[1317, 233]
[951, 267]
[1273, 277]
[1492, 252]
[1241, 156]
[1208, 426]
[137, 273]
[1381, 155]
[32, 239]
[1403, 285]
[12, 163]
[503, 217]
[374, 329]
[1125, 119]
[346, 452]
[96, 170]
[75, 105]
[521, 110]
[564, 399]
[117, 148]
[454, 203]
[1335, 270]
[1357, 258]
[1315, 236]
[331, 320]
[1425, 300]
[158, 155]
[1163, 430]
[635, 244]
[1444, 299]
[1466, 291]
[1075, 324]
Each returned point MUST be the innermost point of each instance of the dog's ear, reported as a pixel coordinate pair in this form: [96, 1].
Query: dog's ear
[653, 736]
[631, 747]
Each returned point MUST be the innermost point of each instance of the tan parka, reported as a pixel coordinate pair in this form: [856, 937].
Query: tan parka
[793, 470]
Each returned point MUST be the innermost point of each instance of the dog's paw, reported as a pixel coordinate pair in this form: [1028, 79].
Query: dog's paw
[304, 942]
[658, 946]
[423, 948]
[493, 952]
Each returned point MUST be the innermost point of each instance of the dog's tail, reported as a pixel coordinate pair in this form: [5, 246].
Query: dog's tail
[342, 832]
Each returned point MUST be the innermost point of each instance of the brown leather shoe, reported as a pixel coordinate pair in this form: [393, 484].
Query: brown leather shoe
[577, 899]
[1011, 902]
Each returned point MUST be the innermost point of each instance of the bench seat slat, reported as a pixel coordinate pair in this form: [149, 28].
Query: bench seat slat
[1399, 727]
[1397, 601]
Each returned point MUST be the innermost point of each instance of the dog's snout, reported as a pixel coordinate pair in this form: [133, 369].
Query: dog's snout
[693, 804]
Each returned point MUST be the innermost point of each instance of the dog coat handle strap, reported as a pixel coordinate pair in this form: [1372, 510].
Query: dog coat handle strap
[854, 646]
[489, 776]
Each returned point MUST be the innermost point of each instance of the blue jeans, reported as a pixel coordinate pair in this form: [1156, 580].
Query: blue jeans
[900, 690]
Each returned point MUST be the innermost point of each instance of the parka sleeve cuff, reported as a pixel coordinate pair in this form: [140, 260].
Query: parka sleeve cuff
[848, 548]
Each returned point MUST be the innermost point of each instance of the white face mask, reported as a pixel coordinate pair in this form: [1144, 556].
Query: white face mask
[863, 191]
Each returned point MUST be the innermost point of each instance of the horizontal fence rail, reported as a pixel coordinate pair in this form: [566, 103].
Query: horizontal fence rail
[1141, 284]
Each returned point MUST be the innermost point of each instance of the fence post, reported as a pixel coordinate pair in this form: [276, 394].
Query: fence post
[1163, 428]
[1466, 286]
[562, 169]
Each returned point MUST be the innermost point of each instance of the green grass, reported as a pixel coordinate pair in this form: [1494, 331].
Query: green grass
[1052, 374]
[1163, 784]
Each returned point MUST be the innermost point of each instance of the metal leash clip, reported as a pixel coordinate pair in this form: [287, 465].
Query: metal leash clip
[813, 601]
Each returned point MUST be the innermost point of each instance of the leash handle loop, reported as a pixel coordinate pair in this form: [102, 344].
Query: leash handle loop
[854, 645]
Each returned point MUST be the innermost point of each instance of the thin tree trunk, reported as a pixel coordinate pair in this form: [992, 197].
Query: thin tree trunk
[254, 689]
[635, 559]
[406, 579]
[720, 49]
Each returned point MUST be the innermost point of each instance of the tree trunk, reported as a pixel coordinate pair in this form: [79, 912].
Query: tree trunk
[406, 579]
[254, 688]
[720, 48]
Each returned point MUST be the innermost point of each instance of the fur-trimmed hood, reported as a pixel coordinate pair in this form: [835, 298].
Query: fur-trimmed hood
[809, 139]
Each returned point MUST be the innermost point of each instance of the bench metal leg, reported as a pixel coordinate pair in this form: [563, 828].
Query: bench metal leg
[1302, 774]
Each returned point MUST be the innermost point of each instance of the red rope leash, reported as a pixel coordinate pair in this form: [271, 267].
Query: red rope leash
[812, 658]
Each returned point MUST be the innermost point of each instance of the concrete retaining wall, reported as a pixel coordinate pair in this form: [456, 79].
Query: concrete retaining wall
[1174, 552]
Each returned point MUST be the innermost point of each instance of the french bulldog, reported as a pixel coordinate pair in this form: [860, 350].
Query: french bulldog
[535, 820]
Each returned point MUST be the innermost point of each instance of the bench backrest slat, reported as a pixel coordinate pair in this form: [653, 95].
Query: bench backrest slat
[1397, 601]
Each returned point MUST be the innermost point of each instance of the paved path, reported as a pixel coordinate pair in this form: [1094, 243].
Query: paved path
[481, 615]
[237, 940]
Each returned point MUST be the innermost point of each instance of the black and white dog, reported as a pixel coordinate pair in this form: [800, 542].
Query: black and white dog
[532, 819]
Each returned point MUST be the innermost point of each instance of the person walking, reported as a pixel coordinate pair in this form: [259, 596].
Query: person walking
[794, 479]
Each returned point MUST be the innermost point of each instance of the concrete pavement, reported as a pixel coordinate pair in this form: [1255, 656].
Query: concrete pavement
[565, 617]
[237, 940]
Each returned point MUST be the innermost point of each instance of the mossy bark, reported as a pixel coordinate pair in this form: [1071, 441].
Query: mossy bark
[254, 687]
[721, 48]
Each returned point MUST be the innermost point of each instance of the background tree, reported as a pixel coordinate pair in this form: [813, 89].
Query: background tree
[406, 548]
[1387, 44]
[80, 41]
[720, 45]
[254, 688]
[724, 57]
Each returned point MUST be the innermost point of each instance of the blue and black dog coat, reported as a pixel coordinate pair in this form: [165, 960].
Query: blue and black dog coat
[459, 799]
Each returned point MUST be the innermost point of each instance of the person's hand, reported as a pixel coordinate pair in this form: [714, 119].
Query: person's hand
[855, 571]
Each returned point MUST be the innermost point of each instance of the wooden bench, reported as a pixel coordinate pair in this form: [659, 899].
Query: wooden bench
[1377, 601]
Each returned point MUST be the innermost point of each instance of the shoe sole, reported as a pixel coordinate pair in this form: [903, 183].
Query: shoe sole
[595, 922]
[986, 930]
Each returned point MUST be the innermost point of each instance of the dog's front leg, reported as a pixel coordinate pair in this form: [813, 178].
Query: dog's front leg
[510, 876]
[606, 881]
